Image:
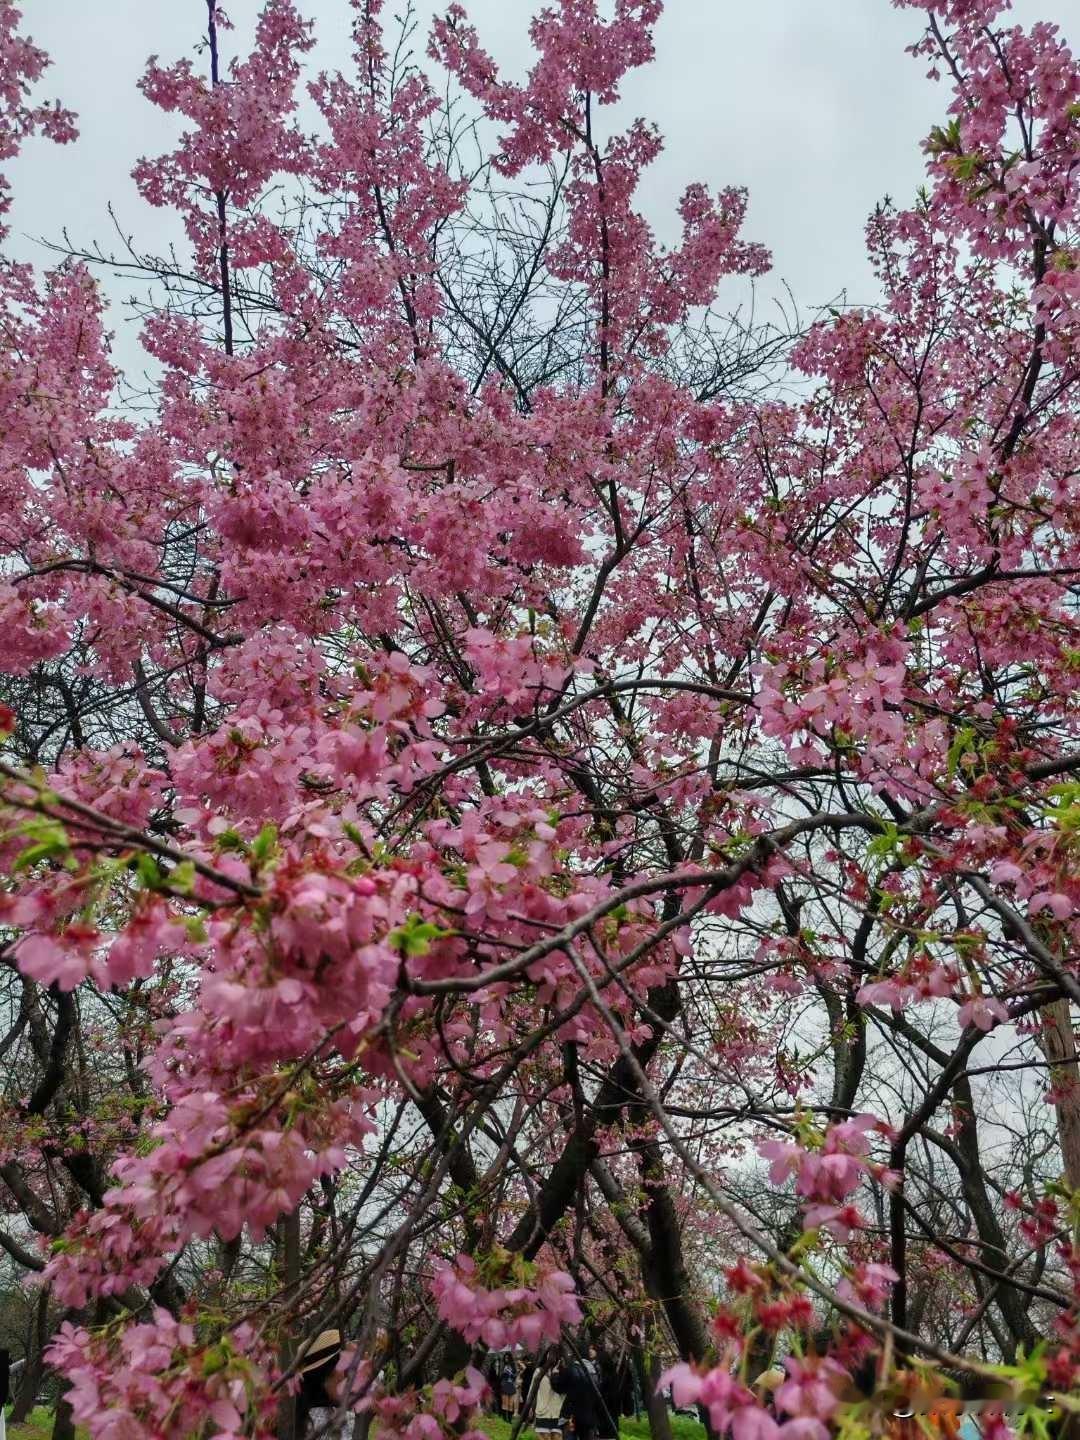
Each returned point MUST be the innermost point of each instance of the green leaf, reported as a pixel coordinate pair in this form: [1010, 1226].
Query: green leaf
[48, 839]
[416, 935]
[264, 845]
[182, 877]
[150, 873]
[965, 737]
[887, 843]
[1064, 813]
[195, 929]
[216, 1359]
[356, 835]
[944, 138]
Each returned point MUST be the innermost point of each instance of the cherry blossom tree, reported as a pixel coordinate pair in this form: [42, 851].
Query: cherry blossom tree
[548, 806]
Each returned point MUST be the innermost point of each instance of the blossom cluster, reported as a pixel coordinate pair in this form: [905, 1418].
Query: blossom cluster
[505, 1316]
[827, 1176]
[161, 1381]
[805, 1402]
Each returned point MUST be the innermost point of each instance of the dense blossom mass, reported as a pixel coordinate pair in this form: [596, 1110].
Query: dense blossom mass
[530, 800]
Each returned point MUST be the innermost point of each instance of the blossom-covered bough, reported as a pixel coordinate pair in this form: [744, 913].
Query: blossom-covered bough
[514, 814]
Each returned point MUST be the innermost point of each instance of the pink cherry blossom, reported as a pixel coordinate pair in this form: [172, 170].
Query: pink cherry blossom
[982, 1011]
[479, 726]
[811, 1390]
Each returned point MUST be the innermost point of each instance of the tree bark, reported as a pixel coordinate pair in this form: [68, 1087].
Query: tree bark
[655, 1404]
[667, 1275]
[1057, 1041]
[656, 1236]
[619, 1088]
[289, 1242]
[1010, 1302]
[964, 1151]
[63, 1420]
[30, 1380]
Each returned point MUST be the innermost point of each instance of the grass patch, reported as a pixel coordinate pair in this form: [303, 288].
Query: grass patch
[496, 1428]
[39, 1426]
[683, 1427]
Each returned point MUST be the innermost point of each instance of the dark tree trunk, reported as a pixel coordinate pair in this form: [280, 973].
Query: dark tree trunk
[30, 1380]
[1012, 1303]
[655, 1404]
[289, 1249]
[1058, 1043]
[559, 1190]
[64, 1421]
[667, 1274]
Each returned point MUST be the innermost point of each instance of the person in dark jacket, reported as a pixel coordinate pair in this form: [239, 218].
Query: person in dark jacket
[525, 1384]
[508, 1387]
[609, 1407]
[7, 1370]
[491, 1375]
[581, 1398]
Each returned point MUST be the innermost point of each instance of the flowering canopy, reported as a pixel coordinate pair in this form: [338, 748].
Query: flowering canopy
[489, 756]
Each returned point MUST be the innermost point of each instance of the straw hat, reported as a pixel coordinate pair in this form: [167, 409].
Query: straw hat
[324, 1347]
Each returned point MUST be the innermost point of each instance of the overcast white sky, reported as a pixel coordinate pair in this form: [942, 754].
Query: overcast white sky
[812, 104]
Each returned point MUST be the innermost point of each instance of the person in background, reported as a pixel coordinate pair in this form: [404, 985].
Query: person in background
[315, 1405]
[589, 1360]
[491, 1374]
[632, 1398]
[526, 1379]
[970, 1428]
[8, 1368]
[609, 1407]
[508, 1387]
[547, 1402]
[766, 1386]
[582, 1398]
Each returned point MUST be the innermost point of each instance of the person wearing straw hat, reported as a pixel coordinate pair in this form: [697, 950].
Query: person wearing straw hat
[315, 1405]
[766, 1386]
